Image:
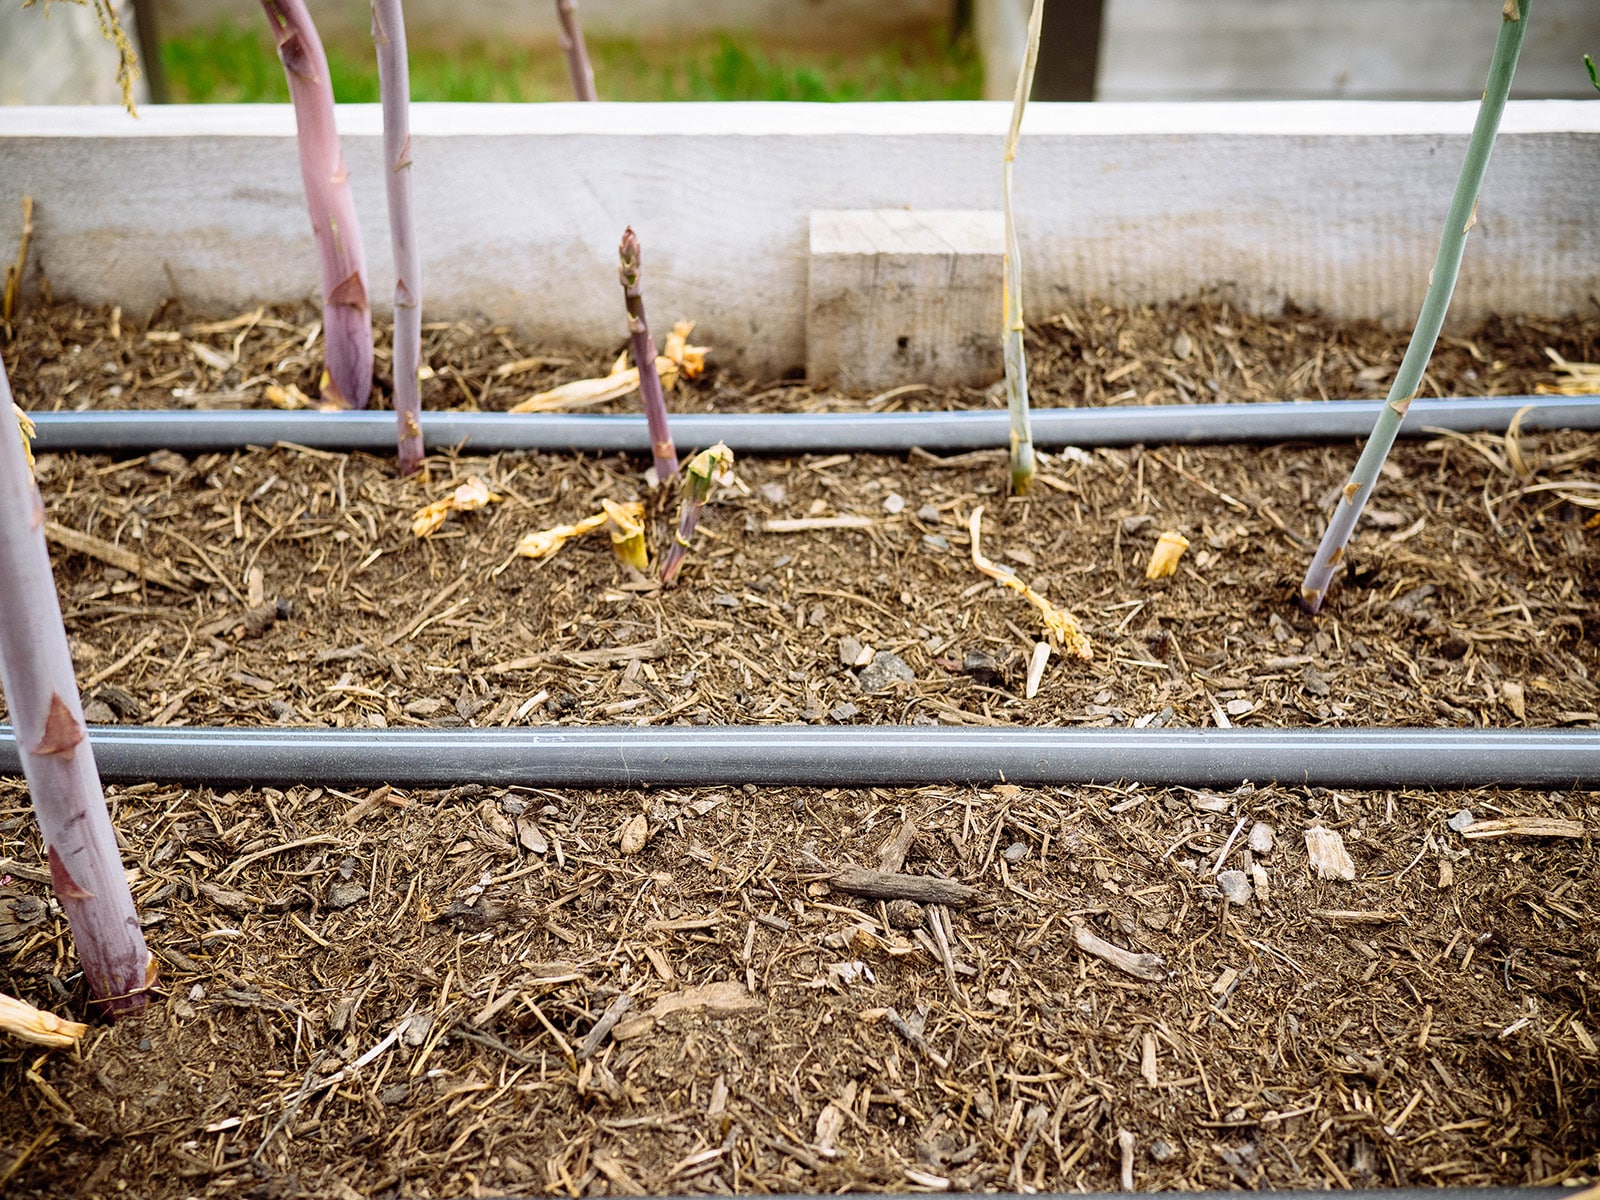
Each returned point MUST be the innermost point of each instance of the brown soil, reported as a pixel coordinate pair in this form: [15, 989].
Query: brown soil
[1433, 1022]
[66, 356]
[1445, 1034]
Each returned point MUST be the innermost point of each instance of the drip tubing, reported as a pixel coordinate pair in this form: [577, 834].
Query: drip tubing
[627, 756]
[137, 432]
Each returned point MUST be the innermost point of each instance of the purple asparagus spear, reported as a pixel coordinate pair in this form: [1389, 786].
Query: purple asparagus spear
[42, 696]
[644, 357]
[394, 77]
[346, 316]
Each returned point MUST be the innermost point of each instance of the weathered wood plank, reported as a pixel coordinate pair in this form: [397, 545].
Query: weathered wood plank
[901, 296]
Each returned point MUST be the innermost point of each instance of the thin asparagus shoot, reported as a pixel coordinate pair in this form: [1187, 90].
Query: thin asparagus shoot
[1015, 353]
[644, 357]
[41, 694]
[1462, 216]
[705, 470]
[394, 81]
[576, 50]
[346, 315]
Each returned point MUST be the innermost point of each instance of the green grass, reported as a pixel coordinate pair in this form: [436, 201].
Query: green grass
[231, 64]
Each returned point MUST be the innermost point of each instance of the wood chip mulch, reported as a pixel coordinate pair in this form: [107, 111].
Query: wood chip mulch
[487, 990]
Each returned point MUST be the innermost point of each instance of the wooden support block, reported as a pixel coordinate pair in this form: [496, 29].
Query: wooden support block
[898, 296]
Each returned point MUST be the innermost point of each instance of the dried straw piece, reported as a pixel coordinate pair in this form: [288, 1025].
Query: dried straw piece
[1060, 624]
[677, 358]
[22, 1020]
[25, 427]
[1505, 827]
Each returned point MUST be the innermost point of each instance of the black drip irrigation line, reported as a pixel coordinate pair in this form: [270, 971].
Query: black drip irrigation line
[137, 432]
[631, 756]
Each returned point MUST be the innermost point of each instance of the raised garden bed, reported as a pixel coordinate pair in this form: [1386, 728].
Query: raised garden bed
[1430, 1021]
[1471, 600]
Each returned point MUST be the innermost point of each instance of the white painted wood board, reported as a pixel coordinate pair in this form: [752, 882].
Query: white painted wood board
[1334, 205]
[898, 296]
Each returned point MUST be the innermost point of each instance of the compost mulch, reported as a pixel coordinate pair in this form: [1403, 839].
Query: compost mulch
[1431, 1022]
[588, 992]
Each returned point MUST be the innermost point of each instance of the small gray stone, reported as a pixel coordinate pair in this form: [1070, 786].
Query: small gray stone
[894, 503]
[1016, 852]
[773, 493]
[1461, 820]
[1315, 682]
[415, 1031]
[395, 1093]
[1262, 838]
[886, 668]
[1162, 1151]
[935, 541]
[98, 712]
[844, 712]
[849, 650]
[344, 893]
[928, 514]
[1235, 887]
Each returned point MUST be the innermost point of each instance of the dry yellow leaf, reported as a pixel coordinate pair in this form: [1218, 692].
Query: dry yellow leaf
[581, 393]
[290, 397]
[1164, 559]
[1062, 627]
[1577, 378]
[677, 357]
[22, 1020]
[545, 542]
[691, 360]
[474, 493]
[627, 532]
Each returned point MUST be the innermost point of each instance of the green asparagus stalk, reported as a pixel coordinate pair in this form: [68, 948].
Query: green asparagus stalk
[703, 472]
[1441, 283]
[644, 358]
[1015, 353]
[41, 695]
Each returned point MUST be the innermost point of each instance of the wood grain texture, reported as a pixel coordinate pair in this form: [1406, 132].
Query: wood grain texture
[885, 885]
[900, 296]
[1334, 205]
